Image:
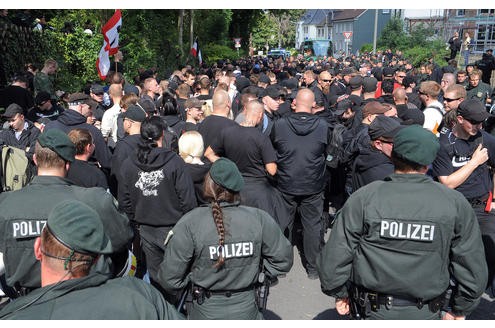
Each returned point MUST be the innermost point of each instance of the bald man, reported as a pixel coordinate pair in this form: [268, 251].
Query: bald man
[253, 153]
[300, 140]
[407, 112]
[211, 126]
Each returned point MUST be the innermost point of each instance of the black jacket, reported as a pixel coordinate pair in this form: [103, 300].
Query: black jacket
[157, 193]
[370, 165]
[70, 120]
[26, 142]
[300, 140]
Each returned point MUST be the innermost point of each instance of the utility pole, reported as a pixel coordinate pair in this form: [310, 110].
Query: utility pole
[375, 31]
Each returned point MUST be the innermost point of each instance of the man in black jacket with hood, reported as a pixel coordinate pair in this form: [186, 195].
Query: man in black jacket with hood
[373, 162]
[300, 140]
[81, 107]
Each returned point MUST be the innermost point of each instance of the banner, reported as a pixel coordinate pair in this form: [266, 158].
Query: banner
[110, 43]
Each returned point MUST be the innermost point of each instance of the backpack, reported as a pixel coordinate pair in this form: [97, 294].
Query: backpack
[336, 153]
[16, 172]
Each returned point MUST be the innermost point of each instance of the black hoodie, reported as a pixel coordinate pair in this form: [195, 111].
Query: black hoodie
[300, 140]
[70, 120]
[370, 165]
[157, 193]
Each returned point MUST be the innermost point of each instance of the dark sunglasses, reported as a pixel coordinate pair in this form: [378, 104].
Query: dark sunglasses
[473, 122]
[327, 80]
[401, 76]
[450, 99]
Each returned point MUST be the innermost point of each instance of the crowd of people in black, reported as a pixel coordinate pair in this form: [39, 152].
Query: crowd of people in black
[294, 138]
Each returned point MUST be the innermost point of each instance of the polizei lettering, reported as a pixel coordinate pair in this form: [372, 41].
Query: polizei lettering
[408, 231]
[27, 228]
[242, 249]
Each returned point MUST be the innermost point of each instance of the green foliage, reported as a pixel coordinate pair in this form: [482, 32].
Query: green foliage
[215, 52]
[418, 46]
[393, 35]
[367, 47]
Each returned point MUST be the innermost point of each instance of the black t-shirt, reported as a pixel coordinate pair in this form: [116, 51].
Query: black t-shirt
[454, 153]
[247, 147]
[198, 173]
[211, 126]
[85, 174]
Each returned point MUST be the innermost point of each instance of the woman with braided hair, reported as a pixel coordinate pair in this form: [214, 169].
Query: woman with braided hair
[157, 191]
[219, 250]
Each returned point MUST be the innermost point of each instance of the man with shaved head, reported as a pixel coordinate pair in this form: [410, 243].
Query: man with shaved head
[211, 126]
[407, 112]
[300, 140]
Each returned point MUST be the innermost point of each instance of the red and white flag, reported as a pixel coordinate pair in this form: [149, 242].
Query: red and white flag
[195, 48]
[110, 43]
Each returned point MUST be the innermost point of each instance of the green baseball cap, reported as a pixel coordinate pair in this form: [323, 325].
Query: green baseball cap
[416, 144]
[78, 227]
[59, 142]
[225, 173]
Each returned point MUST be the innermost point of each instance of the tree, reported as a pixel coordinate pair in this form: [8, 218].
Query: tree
[393, 35]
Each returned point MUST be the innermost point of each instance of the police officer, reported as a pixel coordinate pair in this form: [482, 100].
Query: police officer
[399, 251]
[24, 213]
[70, 243]
[219, 250]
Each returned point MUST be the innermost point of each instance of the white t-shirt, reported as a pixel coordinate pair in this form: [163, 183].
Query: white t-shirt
[433, 117]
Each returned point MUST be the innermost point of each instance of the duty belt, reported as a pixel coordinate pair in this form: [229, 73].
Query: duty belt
[389, 300]
[199, 293]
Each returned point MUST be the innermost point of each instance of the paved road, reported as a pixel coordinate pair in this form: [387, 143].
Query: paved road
[298, 298]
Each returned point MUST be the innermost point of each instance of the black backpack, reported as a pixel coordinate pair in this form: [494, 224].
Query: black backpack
[336, 153]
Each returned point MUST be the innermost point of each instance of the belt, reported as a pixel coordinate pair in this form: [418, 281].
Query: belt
[478, 200]
[391, 300]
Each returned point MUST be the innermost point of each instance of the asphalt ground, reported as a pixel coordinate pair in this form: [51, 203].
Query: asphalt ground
[296, 297]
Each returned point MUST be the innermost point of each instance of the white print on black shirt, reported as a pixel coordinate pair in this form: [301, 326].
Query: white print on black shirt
[149, 181]
[460, 161]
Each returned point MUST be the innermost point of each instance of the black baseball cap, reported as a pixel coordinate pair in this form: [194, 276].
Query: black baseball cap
[12, 110]
[383, 127]
[41, 97]
[473, 110]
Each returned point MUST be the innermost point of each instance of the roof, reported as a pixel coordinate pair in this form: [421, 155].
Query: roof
[347, 14]
[318, 16]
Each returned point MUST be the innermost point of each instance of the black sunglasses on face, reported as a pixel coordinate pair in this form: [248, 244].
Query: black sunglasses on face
[450, 99]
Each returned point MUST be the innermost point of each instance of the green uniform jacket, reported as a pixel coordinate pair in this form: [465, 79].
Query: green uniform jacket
[401, 237]
[43, 82]
[24, 213]
[192, 251]
[481, 92]
[93, 297]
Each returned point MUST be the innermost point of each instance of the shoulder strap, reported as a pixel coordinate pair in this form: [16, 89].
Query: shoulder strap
[5, 157]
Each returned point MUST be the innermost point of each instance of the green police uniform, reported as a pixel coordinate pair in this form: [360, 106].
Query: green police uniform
[403, 238]
[43, 82]
[93, 297]
[80, 238]
[24, 214]
[192, 250]
[482, 92]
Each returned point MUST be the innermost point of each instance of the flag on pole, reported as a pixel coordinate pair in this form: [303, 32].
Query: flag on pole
[194, 48]
[195, 51]
[110, 47]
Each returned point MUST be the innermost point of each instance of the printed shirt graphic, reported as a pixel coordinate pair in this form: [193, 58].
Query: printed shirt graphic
[148, 182]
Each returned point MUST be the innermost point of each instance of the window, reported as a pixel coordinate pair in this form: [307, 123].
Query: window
[489, 12]
[385, 11]
[305, 28]
[460, 12]
[320, 32]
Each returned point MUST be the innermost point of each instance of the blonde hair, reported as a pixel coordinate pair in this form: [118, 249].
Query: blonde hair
[191, 146]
